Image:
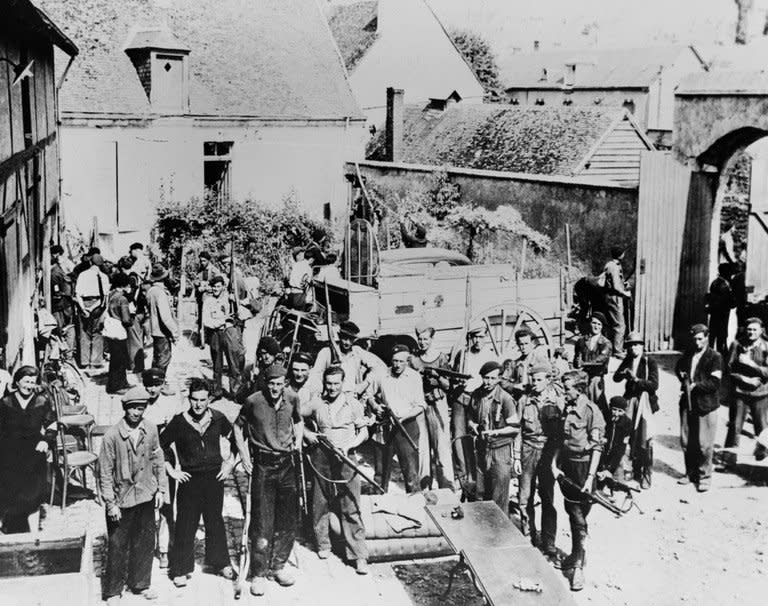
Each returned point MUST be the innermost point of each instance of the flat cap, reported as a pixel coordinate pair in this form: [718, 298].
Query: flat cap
[489, 367]
[349, 328]
[274, 371]
[135, 394]
[400, 348]
[618, 402]
[153, 376]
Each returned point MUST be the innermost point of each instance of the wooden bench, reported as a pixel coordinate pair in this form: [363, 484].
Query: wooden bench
[500, 557]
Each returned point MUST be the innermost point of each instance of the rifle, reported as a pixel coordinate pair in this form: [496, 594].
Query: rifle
[390, 416]
[245, 551]
[233, 289]
[594, 497]
[335, 354]
[299, 463]
[326, 444]
[617, 486]
[451, 375]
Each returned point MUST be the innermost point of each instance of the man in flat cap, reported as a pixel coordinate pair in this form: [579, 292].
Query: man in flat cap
[267, 432]
[700, 371]
[133, 482]
[540, 409]
[617, 433]
[492, 417]
[435, 432]
[91, 291]
[359, 364]
[400, 390]
[341, 419]
[592, 354]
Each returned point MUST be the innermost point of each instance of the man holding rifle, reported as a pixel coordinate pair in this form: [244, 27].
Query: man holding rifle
[341, 427]
[575, 466]
[268, 431]
[700, 371]
[400, 399]
[223, 335]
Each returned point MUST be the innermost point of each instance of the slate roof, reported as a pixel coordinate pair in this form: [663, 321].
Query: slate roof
[612, 68]
[265, 58]
[354, 29]
[724, 83]
[538, 140]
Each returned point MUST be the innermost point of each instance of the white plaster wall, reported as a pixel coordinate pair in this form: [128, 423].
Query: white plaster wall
[586, 98]
[165, 161]
[412, 52]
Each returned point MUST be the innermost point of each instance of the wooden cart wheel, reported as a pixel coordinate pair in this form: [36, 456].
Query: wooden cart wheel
[501, 322]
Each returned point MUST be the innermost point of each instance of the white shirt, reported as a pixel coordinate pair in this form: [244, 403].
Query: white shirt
[88, 283]
[400, 393]
[695, 362]
[301, 272]
[355, 362]
[162, 410]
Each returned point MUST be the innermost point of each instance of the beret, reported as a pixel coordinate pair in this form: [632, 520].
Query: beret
[270, 345]
[153, 376]
[303, 357]
[600, 317]
[349, 328]
[135, 394]
[489, 367]
[274, 371]
[400, 348]
[618, 402]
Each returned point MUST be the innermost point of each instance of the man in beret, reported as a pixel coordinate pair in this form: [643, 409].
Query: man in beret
[435, 432]
[577, 459]
[700, 371]
[267, 432]
[224, 336]
[400, 390]
[160, 410]
[492, 417]
[341, 419]
[359, 364]
[540, 409]
[91, 291]
[267, 352]
[592, 354]
[133, 482]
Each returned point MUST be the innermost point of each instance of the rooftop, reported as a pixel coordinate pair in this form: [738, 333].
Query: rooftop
[609, 68]
[271, 58]
[354, 28]
[539, 140]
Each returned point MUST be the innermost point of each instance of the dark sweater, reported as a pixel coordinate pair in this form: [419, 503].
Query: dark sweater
[197, 453]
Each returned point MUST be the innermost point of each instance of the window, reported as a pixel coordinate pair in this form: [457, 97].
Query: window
[217, 170]
[169, 83]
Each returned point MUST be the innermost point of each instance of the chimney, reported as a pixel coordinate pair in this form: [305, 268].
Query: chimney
[394, 126]
[535, 46]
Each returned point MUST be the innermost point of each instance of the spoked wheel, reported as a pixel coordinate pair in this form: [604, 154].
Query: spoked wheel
[501, 322]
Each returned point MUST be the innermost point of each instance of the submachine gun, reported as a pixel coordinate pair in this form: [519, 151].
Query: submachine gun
[325, 443]
[598, 498]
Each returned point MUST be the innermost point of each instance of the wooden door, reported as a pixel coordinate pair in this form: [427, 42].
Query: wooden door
[662, 202]
[757, 231]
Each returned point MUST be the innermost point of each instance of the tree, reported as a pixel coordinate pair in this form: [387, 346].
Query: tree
[481, 58]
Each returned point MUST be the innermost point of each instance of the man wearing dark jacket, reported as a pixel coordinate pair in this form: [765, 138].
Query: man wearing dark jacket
[700, 371]
[720, 301]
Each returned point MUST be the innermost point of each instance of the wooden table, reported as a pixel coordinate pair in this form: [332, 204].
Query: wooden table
[499, 555]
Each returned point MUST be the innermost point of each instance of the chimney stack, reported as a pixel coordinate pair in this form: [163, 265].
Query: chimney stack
[535, 46]
[395, 126]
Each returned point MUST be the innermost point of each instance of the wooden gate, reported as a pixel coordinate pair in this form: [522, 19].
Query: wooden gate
[662, 203]
[757, 231]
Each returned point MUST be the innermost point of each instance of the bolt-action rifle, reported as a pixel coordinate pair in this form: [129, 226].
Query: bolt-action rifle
[325, 443]
[595, 497]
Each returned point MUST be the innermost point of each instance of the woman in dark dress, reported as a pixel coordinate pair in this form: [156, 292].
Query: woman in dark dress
[118, 309]
[27, 433]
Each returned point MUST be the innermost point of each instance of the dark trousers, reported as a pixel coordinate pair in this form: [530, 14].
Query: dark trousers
[718, 331]
[15, 522]
[90, 342]
[697, 438]
[536, 463]
[161, 353]
[118, 365]
[130, 543]
[458, 430]
[344, 498]
[407, 456]
[65, 319]
[757, 406]
[274, 513]
[576, 506]
[227, 342]
[201, 495]
[614, 305]
[494, 472]
[136, 345]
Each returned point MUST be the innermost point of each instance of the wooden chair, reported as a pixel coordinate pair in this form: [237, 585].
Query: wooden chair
[73, 452]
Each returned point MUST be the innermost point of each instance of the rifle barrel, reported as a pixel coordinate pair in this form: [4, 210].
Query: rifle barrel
[325, 443]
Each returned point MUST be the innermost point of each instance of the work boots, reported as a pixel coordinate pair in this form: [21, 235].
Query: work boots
[578, 560]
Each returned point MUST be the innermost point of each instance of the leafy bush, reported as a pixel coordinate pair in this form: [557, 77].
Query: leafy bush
[262, 236]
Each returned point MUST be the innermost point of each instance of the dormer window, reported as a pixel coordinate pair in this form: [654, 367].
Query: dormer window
[162, 65]
[543, 77]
